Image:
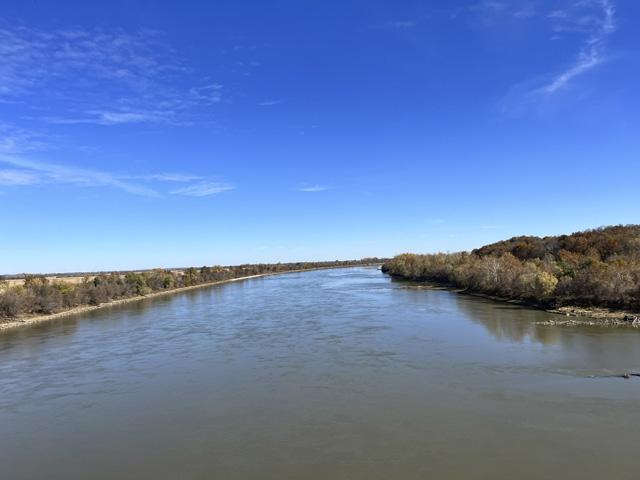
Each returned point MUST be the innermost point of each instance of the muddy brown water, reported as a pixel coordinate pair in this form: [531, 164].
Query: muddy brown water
[330, 374]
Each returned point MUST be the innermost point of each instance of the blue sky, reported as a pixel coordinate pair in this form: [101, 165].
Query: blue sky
[146, 134]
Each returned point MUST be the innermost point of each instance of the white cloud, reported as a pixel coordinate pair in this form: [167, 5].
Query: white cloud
[106, 117]
[19, 140]
[47, 172]
[592, 19]
[269, 103]
[401, 24]
[171, 177]
[491, 12]
[17, 177]
[115, 118]
[207, 93]
[313, 188]
[30, 172]
[592, 52]
[203, 189]
[100, 76]
[586, 61]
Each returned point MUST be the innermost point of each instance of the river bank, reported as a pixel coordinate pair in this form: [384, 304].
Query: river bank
[574, 315]
[596, 268]
[25, 321]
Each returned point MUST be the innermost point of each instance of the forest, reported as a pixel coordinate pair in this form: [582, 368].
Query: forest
[37, 295]
[599, 267]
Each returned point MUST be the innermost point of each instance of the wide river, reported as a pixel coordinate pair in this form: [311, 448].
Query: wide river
[329, 374]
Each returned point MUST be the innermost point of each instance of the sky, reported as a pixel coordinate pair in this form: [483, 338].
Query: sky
[143, 134]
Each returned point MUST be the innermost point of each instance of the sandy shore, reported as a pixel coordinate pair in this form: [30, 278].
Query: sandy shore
[27, 321]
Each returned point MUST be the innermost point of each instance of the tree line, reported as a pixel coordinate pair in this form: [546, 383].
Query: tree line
[38, 295]
[599, 267]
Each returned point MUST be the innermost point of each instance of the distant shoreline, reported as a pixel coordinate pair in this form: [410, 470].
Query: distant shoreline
[33, 320]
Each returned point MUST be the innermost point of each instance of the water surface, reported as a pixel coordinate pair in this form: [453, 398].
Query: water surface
[330, 374]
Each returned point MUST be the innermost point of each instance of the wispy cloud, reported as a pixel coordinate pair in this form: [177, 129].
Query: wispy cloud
[313, 188]
[207, 94]
[17, 178]
[586, 61]
[490, 12]
[170, 177]
[592, 52]
[117, 117]
[270, 103]
[595, 21]
[203, 189]
[401, 24]
[54, 173]
[15, 140]
[26, 172]
[100, 76]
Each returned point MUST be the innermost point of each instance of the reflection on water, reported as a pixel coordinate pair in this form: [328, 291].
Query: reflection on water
[509, 322]
[329, 374]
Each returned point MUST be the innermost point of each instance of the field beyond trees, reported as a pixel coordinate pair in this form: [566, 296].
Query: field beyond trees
[40, 295]
[593, 268]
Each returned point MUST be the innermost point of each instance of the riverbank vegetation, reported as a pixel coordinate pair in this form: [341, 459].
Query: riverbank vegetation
[37, 295]
[598, 267]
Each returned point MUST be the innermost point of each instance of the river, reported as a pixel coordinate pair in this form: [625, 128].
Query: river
[329, 374]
